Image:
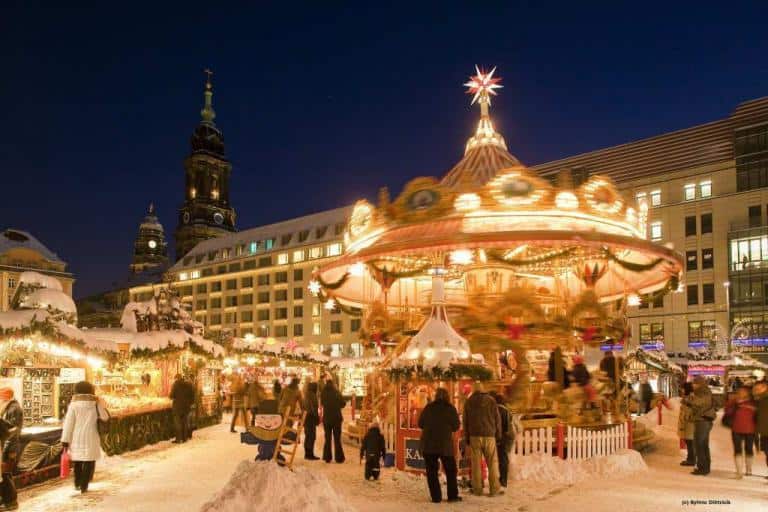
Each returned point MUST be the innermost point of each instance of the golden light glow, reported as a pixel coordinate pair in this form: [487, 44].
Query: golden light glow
[330, 304]
[566, 200]
[429, 353]
[314, 287]
[462, 257]
[515, 180]
[357, 269]
[467, 202]
[633, 300]
[414, 354]
[602, 196]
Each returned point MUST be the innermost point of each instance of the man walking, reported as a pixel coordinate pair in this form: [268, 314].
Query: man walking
[703, 413]
[183, 396]
[482, 424]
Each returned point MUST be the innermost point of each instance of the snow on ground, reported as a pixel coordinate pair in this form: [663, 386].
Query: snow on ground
[545, 468]
[187, 477]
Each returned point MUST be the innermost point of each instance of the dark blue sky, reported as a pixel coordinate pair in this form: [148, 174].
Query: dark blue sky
[323, 103]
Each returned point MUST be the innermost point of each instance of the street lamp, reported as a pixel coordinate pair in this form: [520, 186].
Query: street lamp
[727, 286]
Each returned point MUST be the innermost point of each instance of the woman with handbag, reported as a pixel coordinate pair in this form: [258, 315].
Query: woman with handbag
[80, 434]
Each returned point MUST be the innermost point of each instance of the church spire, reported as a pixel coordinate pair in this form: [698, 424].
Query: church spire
[207, 113]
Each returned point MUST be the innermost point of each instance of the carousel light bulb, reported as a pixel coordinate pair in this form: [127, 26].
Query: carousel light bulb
[462, 257]
[633, 300]
[357, 270]
[467, 202]
[429, 353]
[330, 304]
[631, 215]
[94, 362]
[251, 360]
[463, 354]
[282, 364]
[566, 200]
[414, 354]
[249, 336]
[314, 287]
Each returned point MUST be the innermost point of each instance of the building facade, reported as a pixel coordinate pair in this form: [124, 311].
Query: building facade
[706, 190]
[19, 252]
[255, 282]
[206, 211]
[150, 249]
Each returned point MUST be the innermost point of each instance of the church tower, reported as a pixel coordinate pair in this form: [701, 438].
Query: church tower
[206, 211]
[150, 249]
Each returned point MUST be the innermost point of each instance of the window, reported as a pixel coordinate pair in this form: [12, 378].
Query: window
[706, 223]
[281, 295]
[265, 262]
[640, 197]
[707, 258]
[262, 298]
[303, 235]
[207, 272]
[183, 276]
[658, 300]
[202, 288]
[216, 303]
[691, 262]
[705, 188]
[282, 258]
[339, 228]
[253, 247]
[249, 265]
[286, 239]
[216, 286]
[221, 270]
[281, 277]
[246, 282]
[231, 301]
[298, 256]
[269, 243]
[645, 333]
[755, 216]
[657, 331]
[356, 349]
[689, 192]
[262, 279]
[298, 311]
[708, 293]
[701, 333]
[298, 329]
[262, 315]
[354, 325]
[320, 232]
[281, 331]
[656, 231]
[201, 304]
[333, 249]
[247, 299]
[749, 253]
[644, 302]
[298, 293]
[216, 319]
[655, 197]
[690, 226]
[231, 284]
[281, 313]
[315, 252]
[246, 316]
[692, 291]
[234, 267]
[185, 291]
[336, 327]
[298, 274]
[315, 309]
[226, 253]
[316, 328]
[211, 255]
[263, 330]
[195, 274]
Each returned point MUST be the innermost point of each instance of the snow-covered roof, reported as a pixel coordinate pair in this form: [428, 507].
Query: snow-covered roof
[319, 227]
[152, 340]
[46, 298]
[272, 346]
[37, 279]
[354, 362]
[16, 319]
[16, 238]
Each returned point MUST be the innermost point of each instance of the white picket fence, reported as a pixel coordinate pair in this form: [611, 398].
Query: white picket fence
[535, 441]
[585, 444]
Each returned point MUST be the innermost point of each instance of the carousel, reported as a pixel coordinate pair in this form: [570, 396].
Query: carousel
[487, 272]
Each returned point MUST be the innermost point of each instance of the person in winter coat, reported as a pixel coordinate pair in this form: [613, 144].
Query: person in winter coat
[704, 413]
[277, 389]
[13, 416]
[760, 394]
[255, 393]
[183, 396]
[438, 422]
[482, 430]
[554, 364]
[645, 395]
[80, 433]
[311, 421]
[685, 427]
[741, 412]
[332, 403]
[290, 398]
[504, 446]
[372, 449]
[237, 390]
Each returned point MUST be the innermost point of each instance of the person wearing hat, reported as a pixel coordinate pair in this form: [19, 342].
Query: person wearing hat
[482, 430]
[13, 417]
[703, 413]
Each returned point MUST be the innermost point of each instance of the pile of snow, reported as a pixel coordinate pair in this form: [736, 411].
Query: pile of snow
[20, 318]
[266, 487]
[38, 280]
[546, 468]
[665, 441]
[45, 298]
[152, 340]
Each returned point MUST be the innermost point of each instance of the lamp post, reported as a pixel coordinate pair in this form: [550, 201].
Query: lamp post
[727, 286]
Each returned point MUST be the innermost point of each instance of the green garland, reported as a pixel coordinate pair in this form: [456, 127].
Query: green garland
[169, 350]
[628, 265]
[344, 309]
[299, 358]
[397, 275]
[453, 373]
[495, 256]
[335, 285]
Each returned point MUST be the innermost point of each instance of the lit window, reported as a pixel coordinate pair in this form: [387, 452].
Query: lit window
[254, 246]
[655, 197]
[183, 276]
[315, 309]
[689, 192]
[282, 259]
[316, 328]
[705, 188]
[298, 256]
[656, 231]
[268, 244]
[195, 274]
[315, 252]
[334, 249]
[226, 253]
[640, 197]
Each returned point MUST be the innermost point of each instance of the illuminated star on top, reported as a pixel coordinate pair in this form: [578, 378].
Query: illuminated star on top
[482, 85]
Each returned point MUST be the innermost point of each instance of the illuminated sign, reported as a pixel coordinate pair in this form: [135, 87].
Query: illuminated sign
[706, 370]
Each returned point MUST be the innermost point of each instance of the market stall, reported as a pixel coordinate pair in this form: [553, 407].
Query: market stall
[663, 375]
[268, 360]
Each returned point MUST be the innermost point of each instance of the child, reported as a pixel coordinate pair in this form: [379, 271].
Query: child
[373, 448]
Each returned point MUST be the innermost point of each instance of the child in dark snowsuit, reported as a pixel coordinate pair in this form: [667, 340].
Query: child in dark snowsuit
[373, 448]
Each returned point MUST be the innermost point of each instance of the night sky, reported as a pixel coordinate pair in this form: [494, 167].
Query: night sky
[323, 105]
